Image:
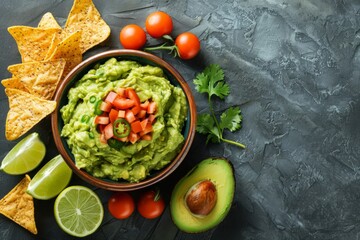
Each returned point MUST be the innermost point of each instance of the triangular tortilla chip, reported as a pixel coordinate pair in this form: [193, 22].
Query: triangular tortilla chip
[40, 78]
[18, 206]
[33, 43]
[14, 83]
[26, 110]
[48, 21]
[86, 18]
[69, 49]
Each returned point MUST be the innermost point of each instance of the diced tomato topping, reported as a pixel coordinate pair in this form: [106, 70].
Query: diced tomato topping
[121, 114]
[136, 109]
[129, 116]
[111, 97]
[121, 92]
[108, 131]
[113, 115]
[136, 126]
[146, 137]
[133, 137]
[101, 120]
[145, 105]
[130, 92]
[151, 108]
[123, 103]
[105, 106]
[100, 128]
[151, 118]
[144, 123]
[148, 129]
[102, 138]
[141, 114]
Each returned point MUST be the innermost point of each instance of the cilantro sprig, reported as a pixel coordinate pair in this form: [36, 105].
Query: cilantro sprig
[211, 81]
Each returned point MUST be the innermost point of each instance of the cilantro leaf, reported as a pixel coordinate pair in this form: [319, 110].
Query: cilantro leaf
[211, 81]
[206, 125]
[231, 119]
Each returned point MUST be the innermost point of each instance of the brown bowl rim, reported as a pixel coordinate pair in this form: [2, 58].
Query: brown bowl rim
[116, 186]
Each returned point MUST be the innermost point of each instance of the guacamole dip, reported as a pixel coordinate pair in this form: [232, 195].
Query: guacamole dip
[133, 161]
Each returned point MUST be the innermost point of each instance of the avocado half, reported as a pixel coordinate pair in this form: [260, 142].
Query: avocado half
[221, 173]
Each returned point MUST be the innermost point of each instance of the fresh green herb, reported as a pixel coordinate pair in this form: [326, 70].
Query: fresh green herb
[211, 81]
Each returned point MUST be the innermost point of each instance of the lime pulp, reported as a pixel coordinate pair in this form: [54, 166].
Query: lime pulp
[78, 211]
[50, 180]
[25, 156]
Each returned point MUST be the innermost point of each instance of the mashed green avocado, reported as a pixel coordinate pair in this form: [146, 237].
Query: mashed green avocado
[133, 162]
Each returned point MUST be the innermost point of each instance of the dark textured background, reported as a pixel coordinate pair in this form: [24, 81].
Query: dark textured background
[293, 67]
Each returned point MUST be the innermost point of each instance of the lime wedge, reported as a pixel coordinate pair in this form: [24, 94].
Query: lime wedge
[78, 211]
[50, 180]
[25, 156]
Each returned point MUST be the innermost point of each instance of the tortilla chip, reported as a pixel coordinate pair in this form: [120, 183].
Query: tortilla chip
[86, 18]
[69, 49]
[40, 78]
[33, 43]
[26, 110]
[48, 21]
[18, 206]
[14, 83]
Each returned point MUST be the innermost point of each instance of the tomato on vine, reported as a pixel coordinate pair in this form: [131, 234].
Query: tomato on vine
[132, 36]
[158, 24]
[151, 204]
[121, 205]
[186, 46]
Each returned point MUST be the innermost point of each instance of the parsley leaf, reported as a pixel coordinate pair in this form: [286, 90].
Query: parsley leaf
[211, 81]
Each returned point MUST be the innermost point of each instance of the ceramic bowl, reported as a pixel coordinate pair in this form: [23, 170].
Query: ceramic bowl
[145, 59]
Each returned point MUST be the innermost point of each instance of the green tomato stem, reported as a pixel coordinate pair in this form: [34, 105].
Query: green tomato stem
[172, 48]
[168, 37]
[157, 195]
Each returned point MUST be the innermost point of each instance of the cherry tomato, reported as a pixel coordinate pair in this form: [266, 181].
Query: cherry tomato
[151, 204]
[158, 24]
[121, 205]
[188, 45]
[132, 36]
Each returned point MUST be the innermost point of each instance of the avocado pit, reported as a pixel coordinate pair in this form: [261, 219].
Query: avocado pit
[201, 198]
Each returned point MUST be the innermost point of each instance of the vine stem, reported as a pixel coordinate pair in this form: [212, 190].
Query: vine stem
[214, 116]
[221, 130]
[233, 142]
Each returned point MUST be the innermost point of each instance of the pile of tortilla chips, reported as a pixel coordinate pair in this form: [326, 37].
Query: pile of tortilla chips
[18, 206]
[48, 53]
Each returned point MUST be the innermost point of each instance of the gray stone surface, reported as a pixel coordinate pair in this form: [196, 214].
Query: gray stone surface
[293, 68]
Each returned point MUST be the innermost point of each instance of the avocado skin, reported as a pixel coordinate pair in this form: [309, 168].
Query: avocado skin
[221, 172]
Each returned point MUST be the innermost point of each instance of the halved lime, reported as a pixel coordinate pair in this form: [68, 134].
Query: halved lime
[51, 179]
[25, 156]
[78, 211]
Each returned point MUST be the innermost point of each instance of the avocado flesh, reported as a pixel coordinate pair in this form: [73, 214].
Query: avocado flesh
[221, 173]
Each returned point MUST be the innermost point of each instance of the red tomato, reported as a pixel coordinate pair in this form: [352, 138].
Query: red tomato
[188, 45]
[123, 103]
[132, 36]
[121, 205]
[158, 24]
[151, 204]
